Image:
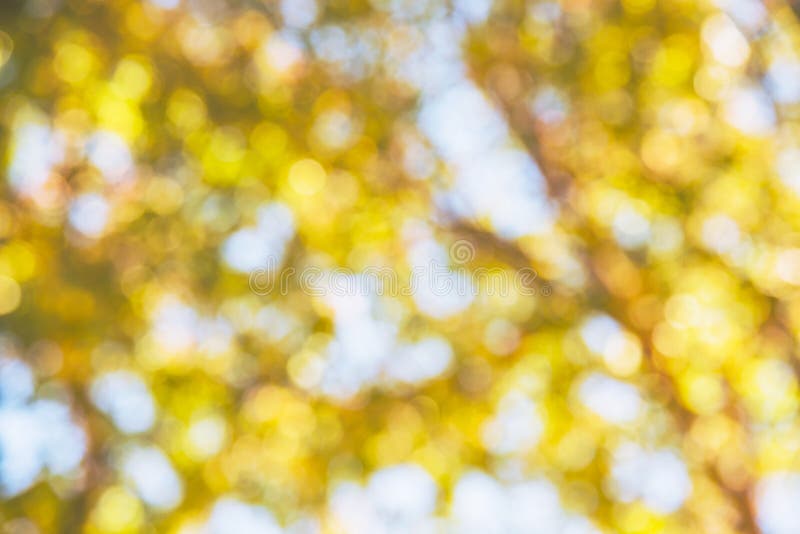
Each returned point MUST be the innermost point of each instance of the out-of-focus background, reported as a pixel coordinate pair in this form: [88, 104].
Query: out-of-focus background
[196, 195]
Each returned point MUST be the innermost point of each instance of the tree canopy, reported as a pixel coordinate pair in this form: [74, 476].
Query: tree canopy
[395, 266]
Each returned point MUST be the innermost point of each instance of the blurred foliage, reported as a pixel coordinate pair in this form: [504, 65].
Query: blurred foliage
[140, 137]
